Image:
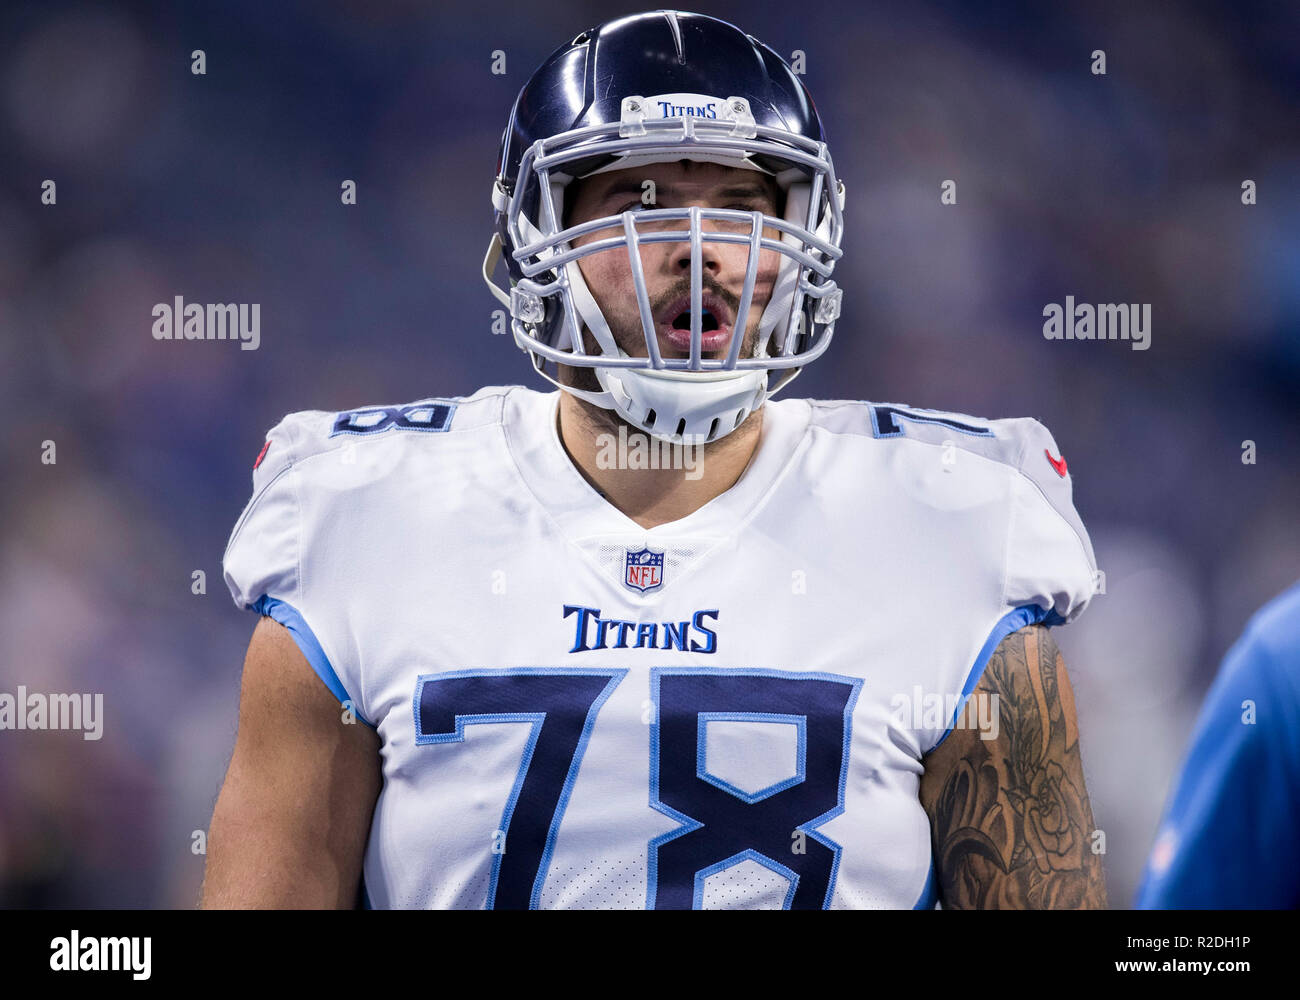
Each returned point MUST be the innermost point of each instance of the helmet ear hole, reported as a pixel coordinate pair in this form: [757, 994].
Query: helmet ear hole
[568, 195]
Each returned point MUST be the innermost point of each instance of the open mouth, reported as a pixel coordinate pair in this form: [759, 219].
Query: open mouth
[715, 325]
[707, 323]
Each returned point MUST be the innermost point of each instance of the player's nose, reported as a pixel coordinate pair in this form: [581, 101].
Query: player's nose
[715, 256]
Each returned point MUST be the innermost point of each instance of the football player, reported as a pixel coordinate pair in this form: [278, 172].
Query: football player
[650, 639]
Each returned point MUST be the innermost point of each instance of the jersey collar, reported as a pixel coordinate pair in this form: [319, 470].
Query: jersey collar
[533, 438]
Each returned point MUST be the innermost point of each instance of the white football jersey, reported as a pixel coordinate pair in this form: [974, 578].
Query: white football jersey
[729, 710]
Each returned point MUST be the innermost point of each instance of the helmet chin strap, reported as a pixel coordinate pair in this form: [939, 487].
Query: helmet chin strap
[776, 314]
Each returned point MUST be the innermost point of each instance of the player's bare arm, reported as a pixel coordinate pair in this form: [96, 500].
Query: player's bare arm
[1010, 820]
[290, 825]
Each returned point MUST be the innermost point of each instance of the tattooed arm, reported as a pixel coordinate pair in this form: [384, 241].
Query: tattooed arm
[1009, 817]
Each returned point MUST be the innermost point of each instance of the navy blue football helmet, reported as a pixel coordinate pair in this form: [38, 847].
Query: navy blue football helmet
[665, 86]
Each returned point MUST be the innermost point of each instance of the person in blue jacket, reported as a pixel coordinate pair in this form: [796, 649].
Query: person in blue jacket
[1230, 838]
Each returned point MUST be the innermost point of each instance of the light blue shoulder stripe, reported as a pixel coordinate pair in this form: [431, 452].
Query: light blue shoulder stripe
[289, 616]
[1017, 618]
[930, 894]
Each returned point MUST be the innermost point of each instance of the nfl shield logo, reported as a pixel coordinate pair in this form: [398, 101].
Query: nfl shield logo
[644, 570]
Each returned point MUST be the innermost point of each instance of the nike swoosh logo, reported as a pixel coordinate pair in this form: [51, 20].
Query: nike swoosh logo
[1057, 463]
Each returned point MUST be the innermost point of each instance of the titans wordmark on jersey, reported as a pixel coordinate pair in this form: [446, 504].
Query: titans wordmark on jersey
[729, 710]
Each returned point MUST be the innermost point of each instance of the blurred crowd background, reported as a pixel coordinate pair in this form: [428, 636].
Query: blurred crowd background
[225, 188]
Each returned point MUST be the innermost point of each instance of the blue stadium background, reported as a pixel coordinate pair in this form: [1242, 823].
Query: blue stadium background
[225, 188]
